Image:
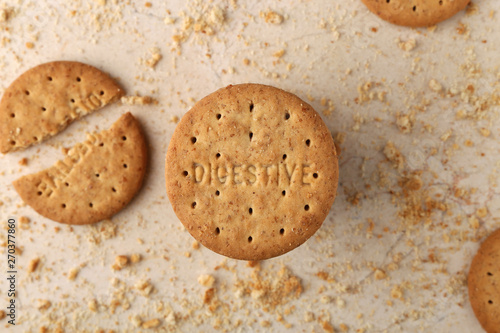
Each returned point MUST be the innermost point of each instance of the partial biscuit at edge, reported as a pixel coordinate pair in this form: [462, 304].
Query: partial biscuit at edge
[415, 13]
[484, 283]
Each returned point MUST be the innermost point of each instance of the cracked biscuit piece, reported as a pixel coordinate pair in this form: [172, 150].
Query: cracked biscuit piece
[415, 13]
[484, 284]
[94, 181]
[251, 171]
[45, 99]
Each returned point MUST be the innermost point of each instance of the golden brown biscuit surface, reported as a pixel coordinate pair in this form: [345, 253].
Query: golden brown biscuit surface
[45, 99]
[484, 283]
[96, 179]
[415, 13]
[251, 171]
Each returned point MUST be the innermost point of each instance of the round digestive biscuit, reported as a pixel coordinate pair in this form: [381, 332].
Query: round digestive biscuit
[484, 284]
[251, 171]
[415, 13]
[45, 99]
[96, 179]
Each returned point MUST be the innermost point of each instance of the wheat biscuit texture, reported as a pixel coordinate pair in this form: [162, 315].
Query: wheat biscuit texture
[251, 171]
[45, 99]
[484, 284]
[94, 181]
[415, 13]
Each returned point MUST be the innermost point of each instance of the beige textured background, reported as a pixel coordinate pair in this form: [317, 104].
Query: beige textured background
[415, 112]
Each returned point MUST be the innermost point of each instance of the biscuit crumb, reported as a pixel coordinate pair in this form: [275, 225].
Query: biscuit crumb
[155, 57]
[152, 323]
[206, 280]
[397, 292]
[413, 183]
[5, 14]
[33, 264]
[253, 263]
[330, 107]
[482, 212]
[44, 304]
[474, 222]
[272, 289]
[325, 299]
[435, 85]
[309, 316]
[408, 45]
[144, 287]
[279, 54]
[73, 273]
[432, 28]
[327, 327]
[484, 132]
[380, 274]
[471, 9]
[208, 295]
[137, 100]
[92, 305]
[468, 143]
[2, 314]
[340, 137]
[23, 161]
[404, 123]
[340, 303]
[24, 222]
[394, 155]
[446, 135]
[136, 320]
[120, 262]
[462, 29]
[168, 20]
[344, 327]
[135, 258]
[272, 17]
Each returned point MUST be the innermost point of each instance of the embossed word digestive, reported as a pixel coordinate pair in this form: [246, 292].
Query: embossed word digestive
[279, 174]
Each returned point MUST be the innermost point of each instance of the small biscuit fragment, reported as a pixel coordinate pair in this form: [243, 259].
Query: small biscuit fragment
[96, 179]
[484, 284]
[415, 13]
[251, 171]
[45, 99]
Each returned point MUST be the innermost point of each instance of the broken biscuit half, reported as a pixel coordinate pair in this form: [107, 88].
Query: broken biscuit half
[95, 180]
[47, 98]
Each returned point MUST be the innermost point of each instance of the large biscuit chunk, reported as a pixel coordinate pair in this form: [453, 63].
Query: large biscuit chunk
[45, 99]
[251, 171]
[484, 284]
[415, 13]
[96, 179]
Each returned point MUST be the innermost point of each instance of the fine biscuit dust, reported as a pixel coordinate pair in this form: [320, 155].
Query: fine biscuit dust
[45, 99]
[484, 284]
[415, 13]
[96, 179]
[251, 171]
